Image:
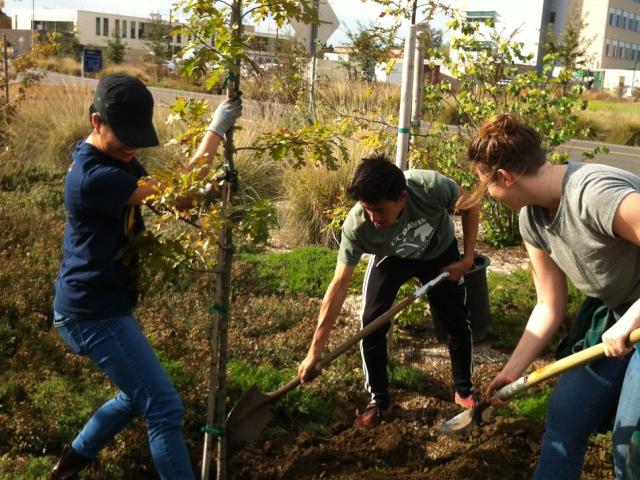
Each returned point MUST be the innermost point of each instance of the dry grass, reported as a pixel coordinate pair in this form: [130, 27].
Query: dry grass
[65, 65]
[54, 118]
[381, 99]
[615, 122]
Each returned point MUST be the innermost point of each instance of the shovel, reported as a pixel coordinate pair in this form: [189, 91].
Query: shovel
[252, 412]
[484, 412]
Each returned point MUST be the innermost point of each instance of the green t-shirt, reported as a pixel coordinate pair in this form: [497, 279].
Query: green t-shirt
[423, 231]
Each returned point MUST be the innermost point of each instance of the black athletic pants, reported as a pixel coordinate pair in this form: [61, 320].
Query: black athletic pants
[383, 279]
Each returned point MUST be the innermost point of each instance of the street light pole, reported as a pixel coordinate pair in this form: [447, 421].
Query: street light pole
[33, 20]
[635, 66]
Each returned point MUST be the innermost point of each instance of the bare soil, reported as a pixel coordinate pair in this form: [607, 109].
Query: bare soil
[407, 446]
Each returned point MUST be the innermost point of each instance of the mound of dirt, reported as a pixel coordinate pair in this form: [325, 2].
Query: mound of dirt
[407, 446]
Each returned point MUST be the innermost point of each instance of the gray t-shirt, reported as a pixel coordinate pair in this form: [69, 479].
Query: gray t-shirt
[580, 238]
[423, 230]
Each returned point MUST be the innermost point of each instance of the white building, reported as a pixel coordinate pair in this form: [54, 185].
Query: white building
[613, 26]
[93, 29]
[96, 29]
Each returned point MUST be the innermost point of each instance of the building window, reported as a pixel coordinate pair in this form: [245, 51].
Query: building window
[133, 29]
[178, 38]
[612, 16]
[97, 25]
[618, 18]
[105, 27]
[552, 17]
[141, 29]
[124, 29]
[625, 18]
[607, 48]
[117, 27]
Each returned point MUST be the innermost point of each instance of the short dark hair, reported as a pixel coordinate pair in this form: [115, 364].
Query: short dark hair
[377, 179]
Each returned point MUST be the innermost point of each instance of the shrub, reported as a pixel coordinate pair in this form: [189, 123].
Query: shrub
[413, 315]
[309, 193]
[625, 133]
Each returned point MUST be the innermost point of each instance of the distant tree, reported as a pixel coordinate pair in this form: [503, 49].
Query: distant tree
[5, 20]
[371, 45]
[115, 49]
[157, 39]
[571, 47]
[430, 38]
[70, 46]
[288, 76]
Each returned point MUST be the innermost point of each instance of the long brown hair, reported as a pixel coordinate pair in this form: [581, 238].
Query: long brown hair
[506, 143]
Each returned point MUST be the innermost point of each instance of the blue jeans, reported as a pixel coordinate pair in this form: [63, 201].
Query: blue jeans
[628, 415]
[119, 348]
[582, 400]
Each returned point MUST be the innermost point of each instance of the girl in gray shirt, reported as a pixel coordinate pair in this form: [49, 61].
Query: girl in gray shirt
[582, 222]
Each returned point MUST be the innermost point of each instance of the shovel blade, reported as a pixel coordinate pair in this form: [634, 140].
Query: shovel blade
[457, 425]
[248, 418]
[465, 421]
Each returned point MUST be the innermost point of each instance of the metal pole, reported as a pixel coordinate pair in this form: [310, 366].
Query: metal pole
[6, 69]
[635, 66]
[169, 39]
[312, 70]
[418, 86]
[33, 20]
[404, 116]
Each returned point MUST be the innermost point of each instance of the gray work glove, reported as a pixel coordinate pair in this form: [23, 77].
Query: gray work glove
[226, 115]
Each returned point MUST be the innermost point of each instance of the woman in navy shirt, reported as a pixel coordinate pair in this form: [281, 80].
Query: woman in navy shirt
[96, 290]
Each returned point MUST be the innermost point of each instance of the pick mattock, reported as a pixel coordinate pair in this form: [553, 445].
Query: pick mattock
[252, 412]
[484, 412]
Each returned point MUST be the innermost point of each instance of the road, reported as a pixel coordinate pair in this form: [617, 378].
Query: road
[164, 97]
[621, 156]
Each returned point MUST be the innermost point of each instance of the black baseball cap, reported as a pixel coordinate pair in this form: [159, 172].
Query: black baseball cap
[126, 104]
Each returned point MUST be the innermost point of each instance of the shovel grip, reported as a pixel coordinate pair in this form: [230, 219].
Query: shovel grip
[556, 368]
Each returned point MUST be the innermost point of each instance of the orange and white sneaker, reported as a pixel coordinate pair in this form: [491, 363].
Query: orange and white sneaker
[469, 402]
[372, 416]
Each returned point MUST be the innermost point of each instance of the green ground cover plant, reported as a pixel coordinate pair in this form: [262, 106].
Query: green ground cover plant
[304, 270]
[512, 297]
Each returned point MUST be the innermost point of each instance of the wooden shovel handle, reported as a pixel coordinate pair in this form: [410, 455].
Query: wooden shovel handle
[556, 368]
[371, 327]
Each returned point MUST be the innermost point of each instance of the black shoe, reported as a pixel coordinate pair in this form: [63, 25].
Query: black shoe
[71, 463]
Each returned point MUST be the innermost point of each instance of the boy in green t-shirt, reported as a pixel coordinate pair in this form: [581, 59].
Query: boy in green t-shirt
[402, 220]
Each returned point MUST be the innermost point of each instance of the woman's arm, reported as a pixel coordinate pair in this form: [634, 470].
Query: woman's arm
[223, 119]
[549, 312]
[626, 224]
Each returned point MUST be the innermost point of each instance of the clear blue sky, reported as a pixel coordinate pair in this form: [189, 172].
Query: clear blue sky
[348, 11]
